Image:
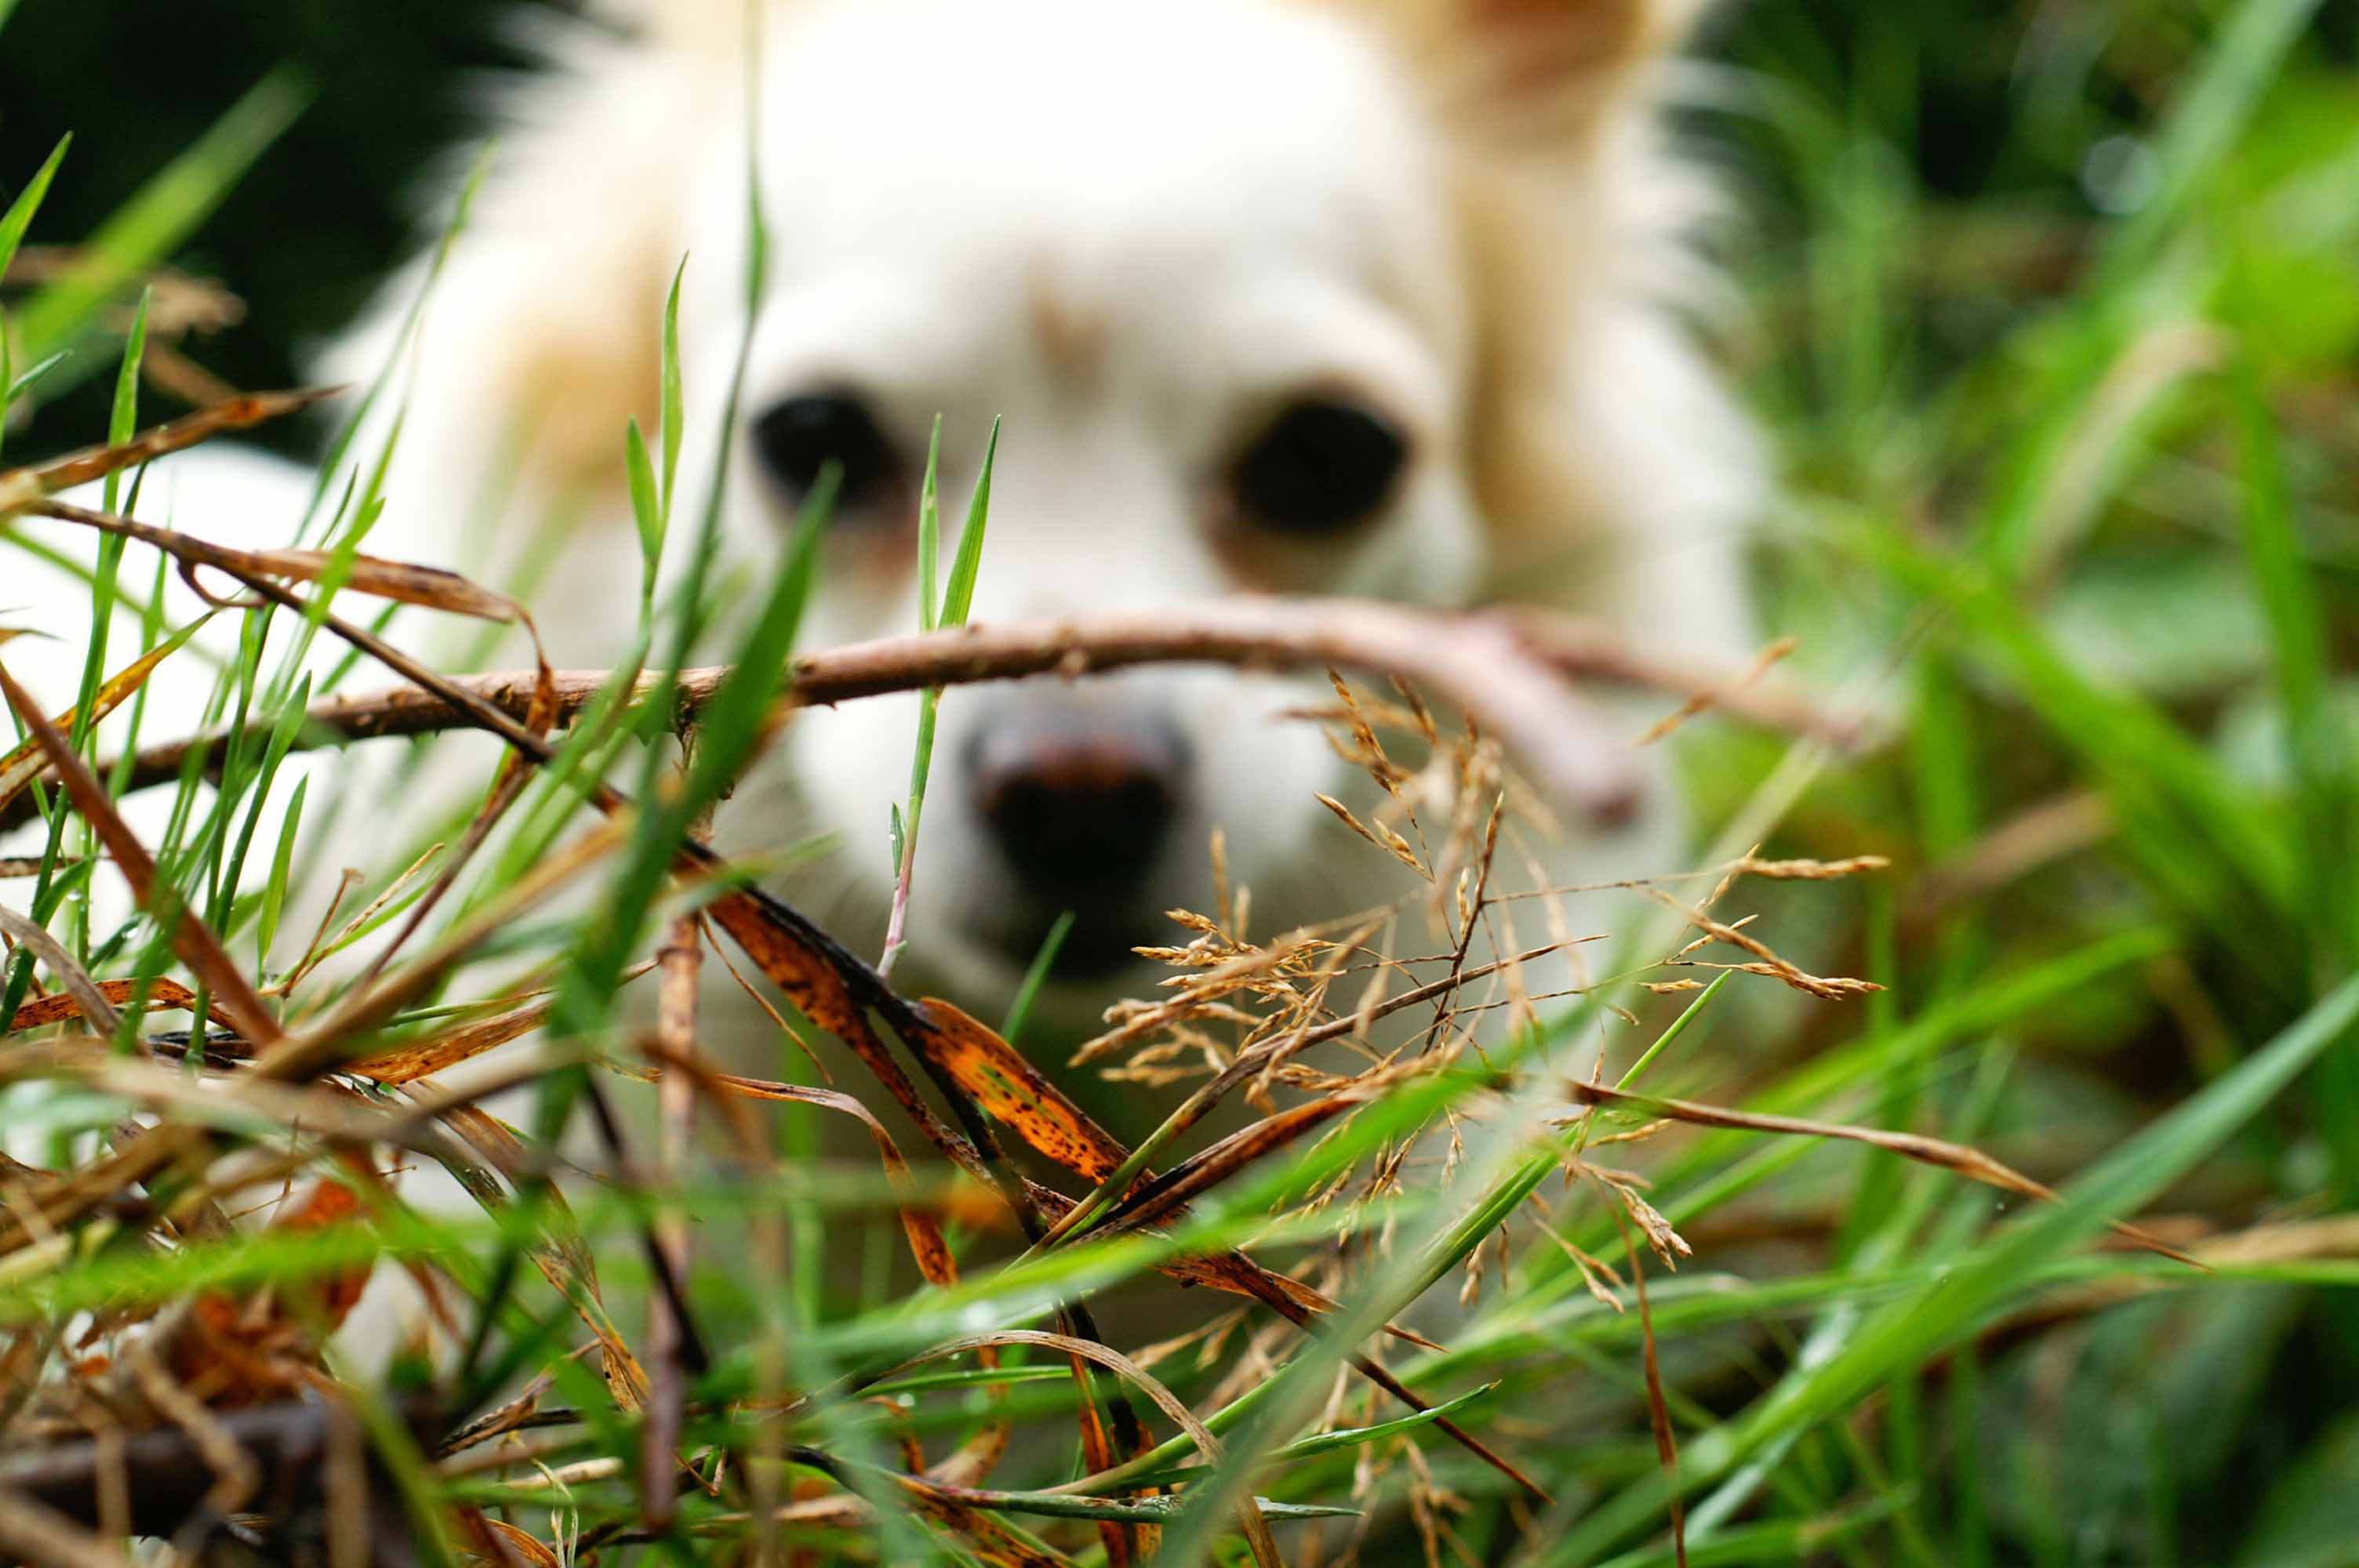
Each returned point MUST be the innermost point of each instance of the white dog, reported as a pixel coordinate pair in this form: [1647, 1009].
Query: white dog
[1359, 297]
[1366, 296]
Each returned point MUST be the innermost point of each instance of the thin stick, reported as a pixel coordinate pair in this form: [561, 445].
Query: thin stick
[1511, 672]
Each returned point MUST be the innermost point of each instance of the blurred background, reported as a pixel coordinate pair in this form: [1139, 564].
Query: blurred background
[2052, 312]
[2007, 131]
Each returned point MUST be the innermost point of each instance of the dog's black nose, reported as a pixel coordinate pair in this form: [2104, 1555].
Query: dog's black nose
[1079, 804]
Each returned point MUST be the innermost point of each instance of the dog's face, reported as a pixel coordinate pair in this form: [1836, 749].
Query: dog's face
[1210, 265]
[1199, 270]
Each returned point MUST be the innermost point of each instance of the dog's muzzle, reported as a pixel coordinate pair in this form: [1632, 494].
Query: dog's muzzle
[1079, 803]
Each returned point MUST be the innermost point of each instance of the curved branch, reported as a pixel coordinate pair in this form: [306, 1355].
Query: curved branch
[1512, 670]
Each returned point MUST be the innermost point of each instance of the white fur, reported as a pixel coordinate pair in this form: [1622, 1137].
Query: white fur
[1219, 202]
[1235, 198]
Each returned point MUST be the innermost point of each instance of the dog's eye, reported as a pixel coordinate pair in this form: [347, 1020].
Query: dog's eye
[1320, 466]
[799, 437]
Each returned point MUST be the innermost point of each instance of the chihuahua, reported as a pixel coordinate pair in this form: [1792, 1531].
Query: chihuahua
[1372, 298]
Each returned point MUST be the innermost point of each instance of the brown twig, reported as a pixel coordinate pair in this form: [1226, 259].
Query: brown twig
[20, 487]
[198, 947]
[1962, 1159]
[678, 963]
[171, 1476]
[1509, 670]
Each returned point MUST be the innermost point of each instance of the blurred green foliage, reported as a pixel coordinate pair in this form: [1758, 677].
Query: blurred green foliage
[340, 198]
[2052, 313]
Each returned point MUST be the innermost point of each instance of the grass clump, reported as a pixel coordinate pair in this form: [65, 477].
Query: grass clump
[2032, 1244]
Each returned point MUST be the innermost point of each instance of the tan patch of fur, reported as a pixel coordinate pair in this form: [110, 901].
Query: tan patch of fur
[585, 387]
[1571, 216]
[1524, 484]
[1072, 332]
[1531, 75]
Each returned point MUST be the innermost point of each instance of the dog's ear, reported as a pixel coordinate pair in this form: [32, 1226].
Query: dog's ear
[1543, 47]
[539, 340]
[1535, 70]
[1607, 461]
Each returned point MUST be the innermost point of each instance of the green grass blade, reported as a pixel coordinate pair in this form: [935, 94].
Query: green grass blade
[2317, 749]
[282, 861]
[33, 373]
[124, 419]
[2246, 57]
[675, 421]
[646, 508]
[1028, 992]
[959, 598]
[2317, 746]
[1909, 1331]
[19, 216]
[728, 727]
[1676, 1027]
[333, 478]
[930, 529]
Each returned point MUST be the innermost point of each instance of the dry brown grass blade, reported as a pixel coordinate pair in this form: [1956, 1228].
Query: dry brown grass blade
[673, 1347]
[1233, 1273]
[326, 1113]
[931, 1253]
[813, 979]
[1384, 1379]
[961, 1510]
[1658, 1409]
[20, 487]
[1969, 1163]
[996, 1069]
[321, 1047]
[1172, 1190]
[178, 302]
[97, 1185]
[987, 1063]
[1257, 1529]
[999, 1080]
[34, 1533]
[498, 1541]
[80, 989]
[2057, 828]
[1707, 698]
[162, 996]
[198, 947]
[431, 588]
[1835, 989]
[324, 1043]
[248, 1350]
[236, 1476]
[835, 989]
[991, 1541]
[451, 1047]
[559, 1252]
[1587, 650]
[20, 767]
[515, 772]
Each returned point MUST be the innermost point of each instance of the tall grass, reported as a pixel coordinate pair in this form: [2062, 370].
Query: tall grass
[2068, 500]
